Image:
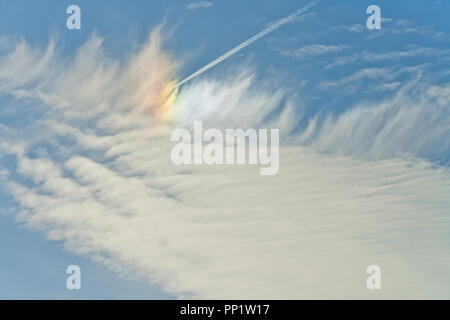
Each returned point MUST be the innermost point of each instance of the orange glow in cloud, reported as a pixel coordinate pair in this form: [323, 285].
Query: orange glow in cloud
[151, 80]
[164, 108]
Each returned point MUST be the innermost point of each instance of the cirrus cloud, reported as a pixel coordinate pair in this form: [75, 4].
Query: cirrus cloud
[94, 171]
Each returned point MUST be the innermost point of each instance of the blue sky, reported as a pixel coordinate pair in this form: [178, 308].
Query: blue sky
[368, 96]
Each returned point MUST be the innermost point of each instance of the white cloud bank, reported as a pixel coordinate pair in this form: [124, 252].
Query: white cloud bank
[96, 173]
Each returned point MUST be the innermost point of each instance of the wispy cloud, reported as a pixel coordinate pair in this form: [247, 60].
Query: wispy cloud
[388, 128]
[375, 78]
[394, 27]
[105, 186]
[312, 51]
[199, 5]
[408, 52]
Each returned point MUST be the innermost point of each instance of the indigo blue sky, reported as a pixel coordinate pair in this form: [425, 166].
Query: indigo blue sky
[368, 96]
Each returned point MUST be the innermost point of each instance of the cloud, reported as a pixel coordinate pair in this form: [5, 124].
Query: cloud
[413, 52]
[408, 52]
[414, 123]
[199, 5]
[312, 51]
[352, 191]
[394, 27]
[355, 28]
[372, 79]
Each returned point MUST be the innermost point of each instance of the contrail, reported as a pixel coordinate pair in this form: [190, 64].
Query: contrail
[261, 34]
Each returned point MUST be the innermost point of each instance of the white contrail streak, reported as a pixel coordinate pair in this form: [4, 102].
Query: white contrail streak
[261, 34]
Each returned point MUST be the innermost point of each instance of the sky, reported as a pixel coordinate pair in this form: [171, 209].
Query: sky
[85, 173]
